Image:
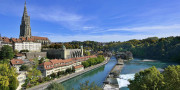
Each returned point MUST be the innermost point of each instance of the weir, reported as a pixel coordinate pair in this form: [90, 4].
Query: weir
[111, 80]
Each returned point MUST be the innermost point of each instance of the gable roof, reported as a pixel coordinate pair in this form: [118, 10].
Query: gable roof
[17, 61]
[59, 62]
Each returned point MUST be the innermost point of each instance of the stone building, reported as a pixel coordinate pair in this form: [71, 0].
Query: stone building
[25, 34]
[32, 55]
[63, 53]
[25, 30]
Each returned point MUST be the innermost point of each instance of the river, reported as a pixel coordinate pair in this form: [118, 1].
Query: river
[130, 68]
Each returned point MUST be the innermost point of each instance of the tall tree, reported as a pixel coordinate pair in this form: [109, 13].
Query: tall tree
[8, 77]
[172, 77]
[6, 52]
[149, 79]
[13, 83]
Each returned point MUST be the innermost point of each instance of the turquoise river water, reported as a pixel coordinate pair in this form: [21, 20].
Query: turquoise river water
[130, 68]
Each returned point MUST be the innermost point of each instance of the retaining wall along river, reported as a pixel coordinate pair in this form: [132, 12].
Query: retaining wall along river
[67, 77]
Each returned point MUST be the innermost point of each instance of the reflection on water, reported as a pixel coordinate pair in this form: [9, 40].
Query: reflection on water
[130, 68]
[97, 75]
[136, 65]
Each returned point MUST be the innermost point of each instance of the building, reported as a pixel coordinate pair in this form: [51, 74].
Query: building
[63, 53]
[79, 68]
[38, 55]
[31, 46]
[21, 44]
[21, 78]
[56, 65]
[25, 33]
[16, 63]
[2, 43]
[25, 29]
[20, 56]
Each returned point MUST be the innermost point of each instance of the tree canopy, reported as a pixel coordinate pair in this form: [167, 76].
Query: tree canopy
[55, 86]
[152, 79]
[93, 61]
[153, 48]
[87, 86]
[6, 52]
[8, 77]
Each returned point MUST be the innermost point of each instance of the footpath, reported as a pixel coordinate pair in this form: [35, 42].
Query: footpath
[69, 76]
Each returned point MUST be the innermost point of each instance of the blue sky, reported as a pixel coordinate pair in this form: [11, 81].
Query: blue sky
[98, 20]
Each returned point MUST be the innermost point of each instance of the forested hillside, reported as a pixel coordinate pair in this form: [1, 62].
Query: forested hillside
[153, 48]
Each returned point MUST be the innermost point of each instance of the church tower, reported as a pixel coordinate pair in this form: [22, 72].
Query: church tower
[25, 28]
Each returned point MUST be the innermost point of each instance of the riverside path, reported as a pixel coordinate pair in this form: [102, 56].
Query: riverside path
[69, 76]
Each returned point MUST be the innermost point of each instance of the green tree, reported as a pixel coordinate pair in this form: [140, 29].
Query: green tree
[87, 86]
[172, 77]
[55, 86]
[16, 51]
[24, 51]
[149, 79]
[41, 60]
[13, 83]
[24, 68]
[6, 52]
[85, 64]
[33, 76]
[8, 77]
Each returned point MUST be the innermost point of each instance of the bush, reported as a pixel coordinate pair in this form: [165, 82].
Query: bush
[6, 52]
[93, 61]
[24, 51]
[55, 86]
[87, 86]
[53, 75]
[24, 68]
[152, 79]
[60, 73]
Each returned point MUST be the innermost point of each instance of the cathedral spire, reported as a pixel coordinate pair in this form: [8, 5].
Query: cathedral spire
[25, 10]
[25, 28]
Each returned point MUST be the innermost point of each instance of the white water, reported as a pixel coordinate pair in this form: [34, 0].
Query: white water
[148, 60]
[123, 80]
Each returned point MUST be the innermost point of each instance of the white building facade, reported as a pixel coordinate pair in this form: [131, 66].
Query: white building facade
[31, 46]
[54, 66]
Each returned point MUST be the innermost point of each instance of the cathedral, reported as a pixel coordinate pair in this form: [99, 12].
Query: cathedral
[25, 41]
[25, 30]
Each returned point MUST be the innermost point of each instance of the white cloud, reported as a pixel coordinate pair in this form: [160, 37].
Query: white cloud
[72, 21]
[88, 27]
[163, 28]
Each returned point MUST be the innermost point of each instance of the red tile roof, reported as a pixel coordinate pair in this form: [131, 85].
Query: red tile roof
[60, 62]
[17, 61]
[22, 39]
[47, 65]
[79, 66]
[40, 38]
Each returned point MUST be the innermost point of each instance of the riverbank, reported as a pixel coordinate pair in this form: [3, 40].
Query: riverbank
[111, 80]
[64, 78]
